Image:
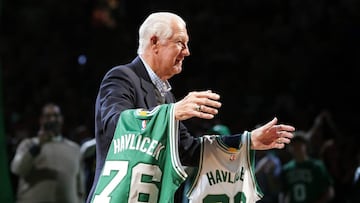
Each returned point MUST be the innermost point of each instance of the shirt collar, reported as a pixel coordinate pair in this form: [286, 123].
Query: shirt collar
[162, 86]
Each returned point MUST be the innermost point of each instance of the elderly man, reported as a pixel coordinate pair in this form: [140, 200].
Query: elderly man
[143, 83]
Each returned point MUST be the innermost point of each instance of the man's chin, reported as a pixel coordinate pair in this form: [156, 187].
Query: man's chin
[178, 69]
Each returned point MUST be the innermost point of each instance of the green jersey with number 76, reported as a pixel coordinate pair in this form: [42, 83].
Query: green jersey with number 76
[142, 164]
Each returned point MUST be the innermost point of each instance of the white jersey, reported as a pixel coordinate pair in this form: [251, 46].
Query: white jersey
[225, 174]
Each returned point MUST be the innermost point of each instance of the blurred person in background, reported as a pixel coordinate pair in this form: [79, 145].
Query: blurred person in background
[267, 172]
[304, 179]
[48, 165]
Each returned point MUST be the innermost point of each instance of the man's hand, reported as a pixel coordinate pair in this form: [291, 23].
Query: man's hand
[271, 136]
[202, 104]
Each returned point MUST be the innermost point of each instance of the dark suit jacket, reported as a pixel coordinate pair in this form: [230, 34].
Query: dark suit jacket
[127, 87]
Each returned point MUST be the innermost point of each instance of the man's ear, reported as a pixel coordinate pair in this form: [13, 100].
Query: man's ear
[154, 40]
[154, 43]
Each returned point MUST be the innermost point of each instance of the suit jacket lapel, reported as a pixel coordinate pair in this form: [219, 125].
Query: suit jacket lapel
[147, 86]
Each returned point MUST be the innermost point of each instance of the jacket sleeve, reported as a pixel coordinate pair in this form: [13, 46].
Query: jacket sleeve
[116, 94]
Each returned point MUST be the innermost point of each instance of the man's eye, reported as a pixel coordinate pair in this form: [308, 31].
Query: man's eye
[182, 44]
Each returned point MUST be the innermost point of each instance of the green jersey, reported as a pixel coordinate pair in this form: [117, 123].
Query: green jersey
[305, 181]
[142, 164]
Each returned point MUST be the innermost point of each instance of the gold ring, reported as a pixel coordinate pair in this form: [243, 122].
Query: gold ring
[198, 108]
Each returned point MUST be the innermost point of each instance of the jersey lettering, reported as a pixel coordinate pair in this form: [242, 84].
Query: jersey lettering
[224, 176]
[143, 144]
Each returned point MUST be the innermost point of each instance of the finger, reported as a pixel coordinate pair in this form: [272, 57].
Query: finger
[270, 123]
[205, 94]
[283, 140]
[205, 102]
[210, 103]
[283, 127]
[206, 98]
[209, 110]
[203, 112]
[212, 96]
[279, 145]
[205, 115]
[285, 134]
[197, 107]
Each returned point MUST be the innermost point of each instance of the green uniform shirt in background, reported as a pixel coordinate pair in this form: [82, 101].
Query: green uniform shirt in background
[305, 181]
[142, 164]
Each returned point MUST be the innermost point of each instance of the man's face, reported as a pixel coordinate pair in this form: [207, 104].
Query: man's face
[172, 52]
[51, 119]
[298, 148]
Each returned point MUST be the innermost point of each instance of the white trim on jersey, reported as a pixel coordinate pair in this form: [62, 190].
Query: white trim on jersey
[174, 130]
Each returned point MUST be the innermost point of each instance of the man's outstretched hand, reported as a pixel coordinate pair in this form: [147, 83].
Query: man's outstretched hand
[271, 136]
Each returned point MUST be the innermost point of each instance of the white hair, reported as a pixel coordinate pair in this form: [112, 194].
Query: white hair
[158, 24]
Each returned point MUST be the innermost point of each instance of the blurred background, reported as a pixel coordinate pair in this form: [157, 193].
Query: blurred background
[286, 58]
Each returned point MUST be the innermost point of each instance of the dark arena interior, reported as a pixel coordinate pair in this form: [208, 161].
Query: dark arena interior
[291, 59]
